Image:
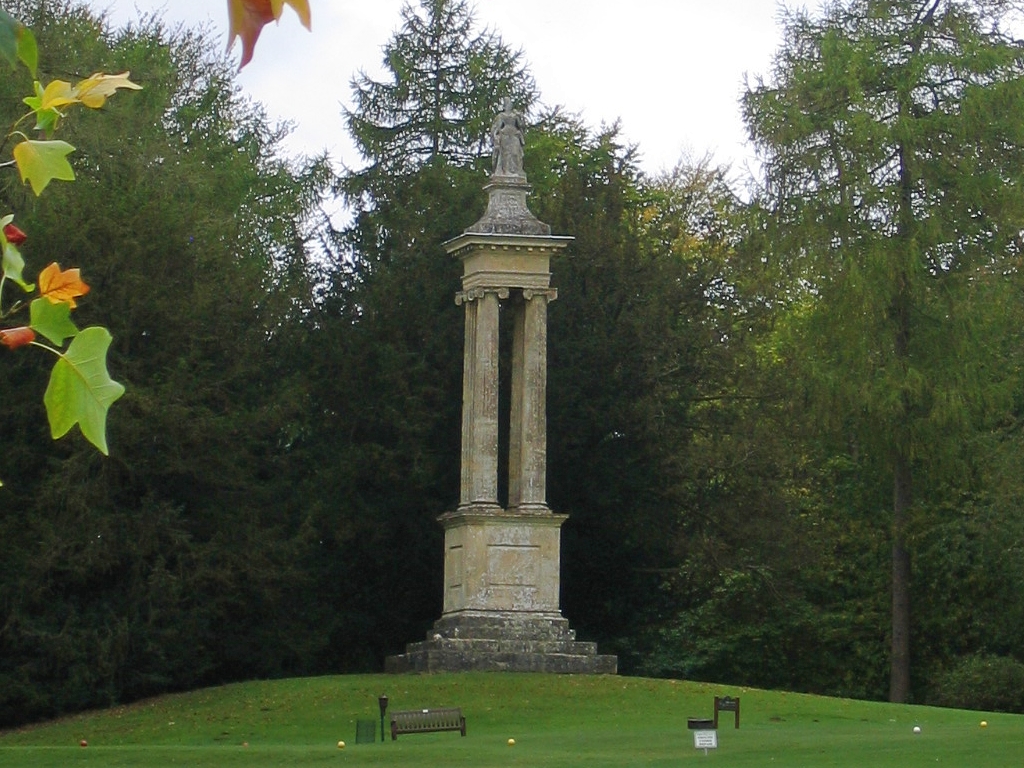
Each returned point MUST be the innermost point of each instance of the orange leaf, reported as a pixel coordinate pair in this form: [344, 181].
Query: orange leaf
[301, 7]
[248, 17]
[12, 338]
[57, 286]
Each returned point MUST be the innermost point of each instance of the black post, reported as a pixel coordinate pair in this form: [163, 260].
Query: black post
[383, 702]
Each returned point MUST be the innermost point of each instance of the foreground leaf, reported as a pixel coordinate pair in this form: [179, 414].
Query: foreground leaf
[81, 390]
[94, 90]
[45, 102]
[61, 286]
[40, 162]
[248, 17]
[17, 43]
[14, 265]
[57, 93]
[14, 235]
[52, 320]
[12, 338]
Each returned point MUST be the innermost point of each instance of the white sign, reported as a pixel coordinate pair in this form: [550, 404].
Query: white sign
[705, 740]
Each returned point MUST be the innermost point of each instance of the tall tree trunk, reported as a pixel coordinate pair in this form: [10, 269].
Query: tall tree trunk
[899, 674]
[899, 677]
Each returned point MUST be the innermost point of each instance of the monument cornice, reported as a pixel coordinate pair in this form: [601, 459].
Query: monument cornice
[469, 243]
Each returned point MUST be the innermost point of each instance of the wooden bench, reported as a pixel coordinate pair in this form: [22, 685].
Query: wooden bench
[427, 721]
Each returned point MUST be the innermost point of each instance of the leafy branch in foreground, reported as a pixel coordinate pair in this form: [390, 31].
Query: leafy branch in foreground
[80, 390]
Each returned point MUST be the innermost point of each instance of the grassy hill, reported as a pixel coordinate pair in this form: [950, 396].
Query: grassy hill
[556, 722]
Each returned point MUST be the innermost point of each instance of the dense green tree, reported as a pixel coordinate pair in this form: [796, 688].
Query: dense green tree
[645, 339]
[173, 563]
[892, 145]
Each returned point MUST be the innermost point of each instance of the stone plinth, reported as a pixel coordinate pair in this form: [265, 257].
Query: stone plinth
[501, 562]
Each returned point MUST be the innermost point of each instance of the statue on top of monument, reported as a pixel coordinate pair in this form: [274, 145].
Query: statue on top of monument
[507, 134]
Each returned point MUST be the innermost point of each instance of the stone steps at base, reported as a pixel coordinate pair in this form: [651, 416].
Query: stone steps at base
[541, 629]
[502, 642]
[448, 660]
[504, 645]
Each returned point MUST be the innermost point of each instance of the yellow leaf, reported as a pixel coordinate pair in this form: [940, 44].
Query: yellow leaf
[40, 162]
[57, 94]
[57, 286]
[94, 90]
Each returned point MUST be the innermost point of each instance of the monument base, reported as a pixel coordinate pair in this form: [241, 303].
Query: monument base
[501, 609]
[488, 641]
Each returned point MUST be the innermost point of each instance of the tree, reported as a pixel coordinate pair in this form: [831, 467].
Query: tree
[444, 82]
[893, 160]
[175, 562]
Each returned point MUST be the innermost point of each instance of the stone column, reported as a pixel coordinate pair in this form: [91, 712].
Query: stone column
[528, 433]
[480, 398]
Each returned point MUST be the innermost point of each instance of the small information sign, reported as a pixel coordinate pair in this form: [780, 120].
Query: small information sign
[705, 740]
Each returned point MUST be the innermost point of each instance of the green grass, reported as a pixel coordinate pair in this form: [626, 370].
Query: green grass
[557, 722]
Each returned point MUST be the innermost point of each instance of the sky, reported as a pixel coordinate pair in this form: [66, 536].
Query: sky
[671, 71]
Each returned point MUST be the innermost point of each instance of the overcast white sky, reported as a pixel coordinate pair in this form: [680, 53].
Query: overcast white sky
[670, 70]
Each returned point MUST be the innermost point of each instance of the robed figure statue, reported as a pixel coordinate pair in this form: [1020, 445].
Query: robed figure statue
[507, 134]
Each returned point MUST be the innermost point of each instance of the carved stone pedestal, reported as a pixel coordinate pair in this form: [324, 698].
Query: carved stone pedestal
[501, 601]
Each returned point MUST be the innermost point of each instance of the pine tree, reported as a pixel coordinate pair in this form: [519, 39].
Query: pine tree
[445, 82]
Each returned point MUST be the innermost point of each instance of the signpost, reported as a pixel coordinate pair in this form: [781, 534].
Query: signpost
[705, 735]
[705, 740]
[727, 704]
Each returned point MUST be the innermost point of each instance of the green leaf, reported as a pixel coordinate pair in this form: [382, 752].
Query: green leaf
[13, 265]
[52, 320]
[9, 38]
[17, 43]
[40, 162]
[46, 119]
[28, 50]
[81, 390]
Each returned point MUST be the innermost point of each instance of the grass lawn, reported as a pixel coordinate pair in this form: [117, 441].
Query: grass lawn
[556, 721]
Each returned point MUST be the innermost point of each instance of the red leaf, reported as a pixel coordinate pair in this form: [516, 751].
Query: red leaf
[14, 235]
[248, 17]
[12, 338]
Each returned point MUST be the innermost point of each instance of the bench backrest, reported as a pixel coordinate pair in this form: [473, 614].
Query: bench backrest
[427, 719]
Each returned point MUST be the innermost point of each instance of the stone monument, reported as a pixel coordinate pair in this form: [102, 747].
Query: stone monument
[502, 565]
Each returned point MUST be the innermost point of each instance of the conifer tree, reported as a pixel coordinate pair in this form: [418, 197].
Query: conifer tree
[445, 80]
[893, 150]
